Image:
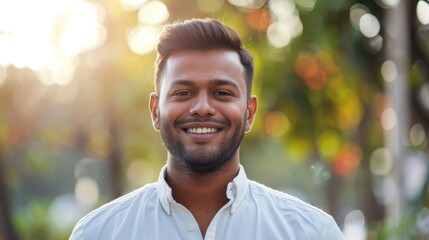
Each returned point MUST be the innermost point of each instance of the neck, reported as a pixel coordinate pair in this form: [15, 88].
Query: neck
[200, 189]
[202, 195]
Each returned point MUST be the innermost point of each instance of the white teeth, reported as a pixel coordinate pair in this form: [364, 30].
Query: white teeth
[201, 130]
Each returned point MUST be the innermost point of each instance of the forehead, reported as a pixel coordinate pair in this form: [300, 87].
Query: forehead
[204, 65]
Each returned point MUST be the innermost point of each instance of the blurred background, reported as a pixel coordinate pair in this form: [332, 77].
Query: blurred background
[342, 122]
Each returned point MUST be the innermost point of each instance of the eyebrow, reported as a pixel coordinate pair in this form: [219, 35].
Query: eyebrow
[214, 82]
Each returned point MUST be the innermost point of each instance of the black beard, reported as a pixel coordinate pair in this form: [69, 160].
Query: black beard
[201, 161]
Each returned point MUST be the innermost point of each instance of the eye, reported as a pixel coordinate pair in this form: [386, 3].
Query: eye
[182, 93]
[222, 93]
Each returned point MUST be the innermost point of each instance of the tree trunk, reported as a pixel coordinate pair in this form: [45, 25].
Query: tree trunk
[7, 230]
[397, 50]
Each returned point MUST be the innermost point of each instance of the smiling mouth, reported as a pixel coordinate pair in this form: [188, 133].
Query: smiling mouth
[202, 130]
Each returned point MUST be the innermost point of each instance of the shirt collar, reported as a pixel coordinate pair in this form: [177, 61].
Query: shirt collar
[236, 190]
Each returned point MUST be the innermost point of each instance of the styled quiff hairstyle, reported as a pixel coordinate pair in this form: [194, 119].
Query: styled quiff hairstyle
[200, 34]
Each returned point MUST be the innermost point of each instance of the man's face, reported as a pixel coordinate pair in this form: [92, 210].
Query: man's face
[202, 109]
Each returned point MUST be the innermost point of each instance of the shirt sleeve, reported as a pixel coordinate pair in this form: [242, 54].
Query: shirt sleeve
[333, 232]
[76, 233]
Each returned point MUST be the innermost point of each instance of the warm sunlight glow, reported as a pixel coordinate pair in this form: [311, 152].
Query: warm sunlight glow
[132, 5]
[82, 30]
[47, 34]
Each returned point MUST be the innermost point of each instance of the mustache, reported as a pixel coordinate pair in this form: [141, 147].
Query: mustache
[202, 120]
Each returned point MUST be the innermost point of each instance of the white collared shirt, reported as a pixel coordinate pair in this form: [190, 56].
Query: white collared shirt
[253, 211]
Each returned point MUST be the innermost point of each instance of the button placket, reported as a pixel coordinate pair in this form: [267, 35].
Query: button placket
[190, 227]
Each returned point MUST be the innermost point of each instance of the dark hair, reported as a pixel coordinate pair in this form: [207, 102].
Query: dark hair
[200, 34]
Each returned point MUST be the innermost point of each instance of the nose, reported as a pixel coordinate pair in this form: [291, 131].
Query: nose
[202, 106]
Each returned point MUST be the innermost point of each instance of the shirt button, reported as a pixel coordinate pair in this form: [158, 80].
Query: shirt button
[190, 227]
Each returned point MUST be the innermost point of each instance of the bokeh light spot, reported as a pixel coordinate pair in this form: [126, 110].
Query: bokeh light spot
[153, 12]
[387, 3]
[278, 34]
[286, 23]
[247, 5]
[381, 162]
[282, 9]
[315, 69]
[64, 211]
[417, 134]
[347, 160]
[356, 12]
[355, 226]
[276, 124]
[423, 12]
[320, 171]
[415, 169]
[143, 39]
[86, 192]
[259, 19]
[241, 3]
[375, 44]
[369, 25]
[349, 113]
[328, 143]
[305, 5]
[388, 119]
[389, 71]
[422, 220]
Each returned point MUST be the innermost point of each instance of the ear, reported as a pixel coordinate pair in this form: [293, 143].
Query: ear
[252, 106]
[154, 110]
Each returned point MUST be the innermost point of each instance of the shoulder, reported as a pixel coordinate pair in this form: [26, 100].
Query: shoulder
[110, 213]
[293, 211]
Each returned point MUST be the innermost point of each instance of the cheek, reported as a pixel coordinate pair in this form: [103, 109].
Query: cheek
[170, 113]
[235, 113]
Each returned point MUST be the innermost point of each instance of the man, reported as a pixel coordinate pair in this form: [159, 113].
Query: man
[203, 107]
